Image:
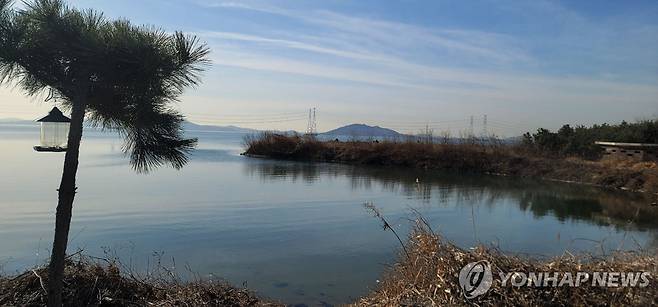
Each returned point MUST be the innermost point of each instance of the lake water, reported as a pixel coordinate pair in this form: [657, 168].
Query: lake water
[297, 232]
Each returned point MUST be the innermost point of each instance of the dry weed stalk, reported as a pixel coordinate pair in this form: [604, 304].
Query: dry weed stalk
[428, 276]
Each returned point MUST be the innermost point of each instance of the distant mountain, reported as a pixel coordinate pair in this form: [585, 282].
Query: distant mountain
[188, 126]
[362, 130]
[16, 121]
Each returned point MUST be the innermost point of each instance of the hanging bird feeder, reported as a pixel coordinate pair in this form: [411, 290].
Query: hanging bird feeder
[54, 131]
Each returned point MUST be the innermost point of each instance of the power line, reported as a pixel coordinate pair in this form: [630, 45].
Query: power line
[254, 121]
[247, 117]
[269, 121]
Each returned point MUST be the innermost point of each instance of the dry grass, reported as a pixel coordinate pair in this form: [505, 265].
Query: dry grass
[474, 157]
[89, 283]
[428, 276]
[283, 146]
[462, 157]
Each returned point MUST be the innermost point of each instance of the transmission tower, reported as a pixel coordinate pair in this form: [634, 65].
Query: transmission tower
[484, 125]
[311, 127]
[315, 123]
[470, 132]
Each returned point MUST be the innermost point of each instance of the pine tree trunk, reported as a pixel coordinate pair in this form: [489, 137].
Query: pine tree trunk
[67, 190]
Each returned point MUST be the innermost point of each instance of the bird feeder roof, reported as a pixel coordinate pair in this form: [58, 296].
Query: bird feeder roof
[55, 116]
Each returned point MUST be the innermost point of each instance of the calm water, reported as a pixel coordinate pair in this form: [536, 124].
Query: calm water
[293, 231]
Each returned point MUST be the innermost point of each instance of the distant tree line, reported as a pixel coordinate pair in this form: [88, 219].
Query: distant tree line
[579, 141]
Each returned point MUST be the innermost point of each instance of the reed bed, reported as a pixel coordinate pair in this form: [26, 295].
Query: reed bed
[469, 156]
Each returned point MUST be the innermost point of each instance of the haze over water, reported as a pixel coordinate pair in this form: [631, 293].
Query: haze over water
[297, 232]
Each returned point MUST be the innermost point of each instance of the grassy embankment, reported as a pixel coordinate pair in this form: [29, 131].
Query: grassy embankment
[473, 157]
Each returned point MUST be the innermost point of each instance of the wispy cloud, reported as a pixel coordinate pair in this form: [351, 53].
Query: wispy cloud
[292, 44]
[392, 71]
[388, 35]
[256, 61]
[405, 36]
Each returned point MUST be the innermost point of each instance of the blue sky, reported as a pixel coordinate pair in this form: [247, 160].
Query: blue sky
[405, 64]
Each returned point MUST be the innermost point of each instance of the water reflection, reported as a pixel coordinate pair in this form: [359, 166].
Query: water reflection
[565, 202]
[275, 223]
